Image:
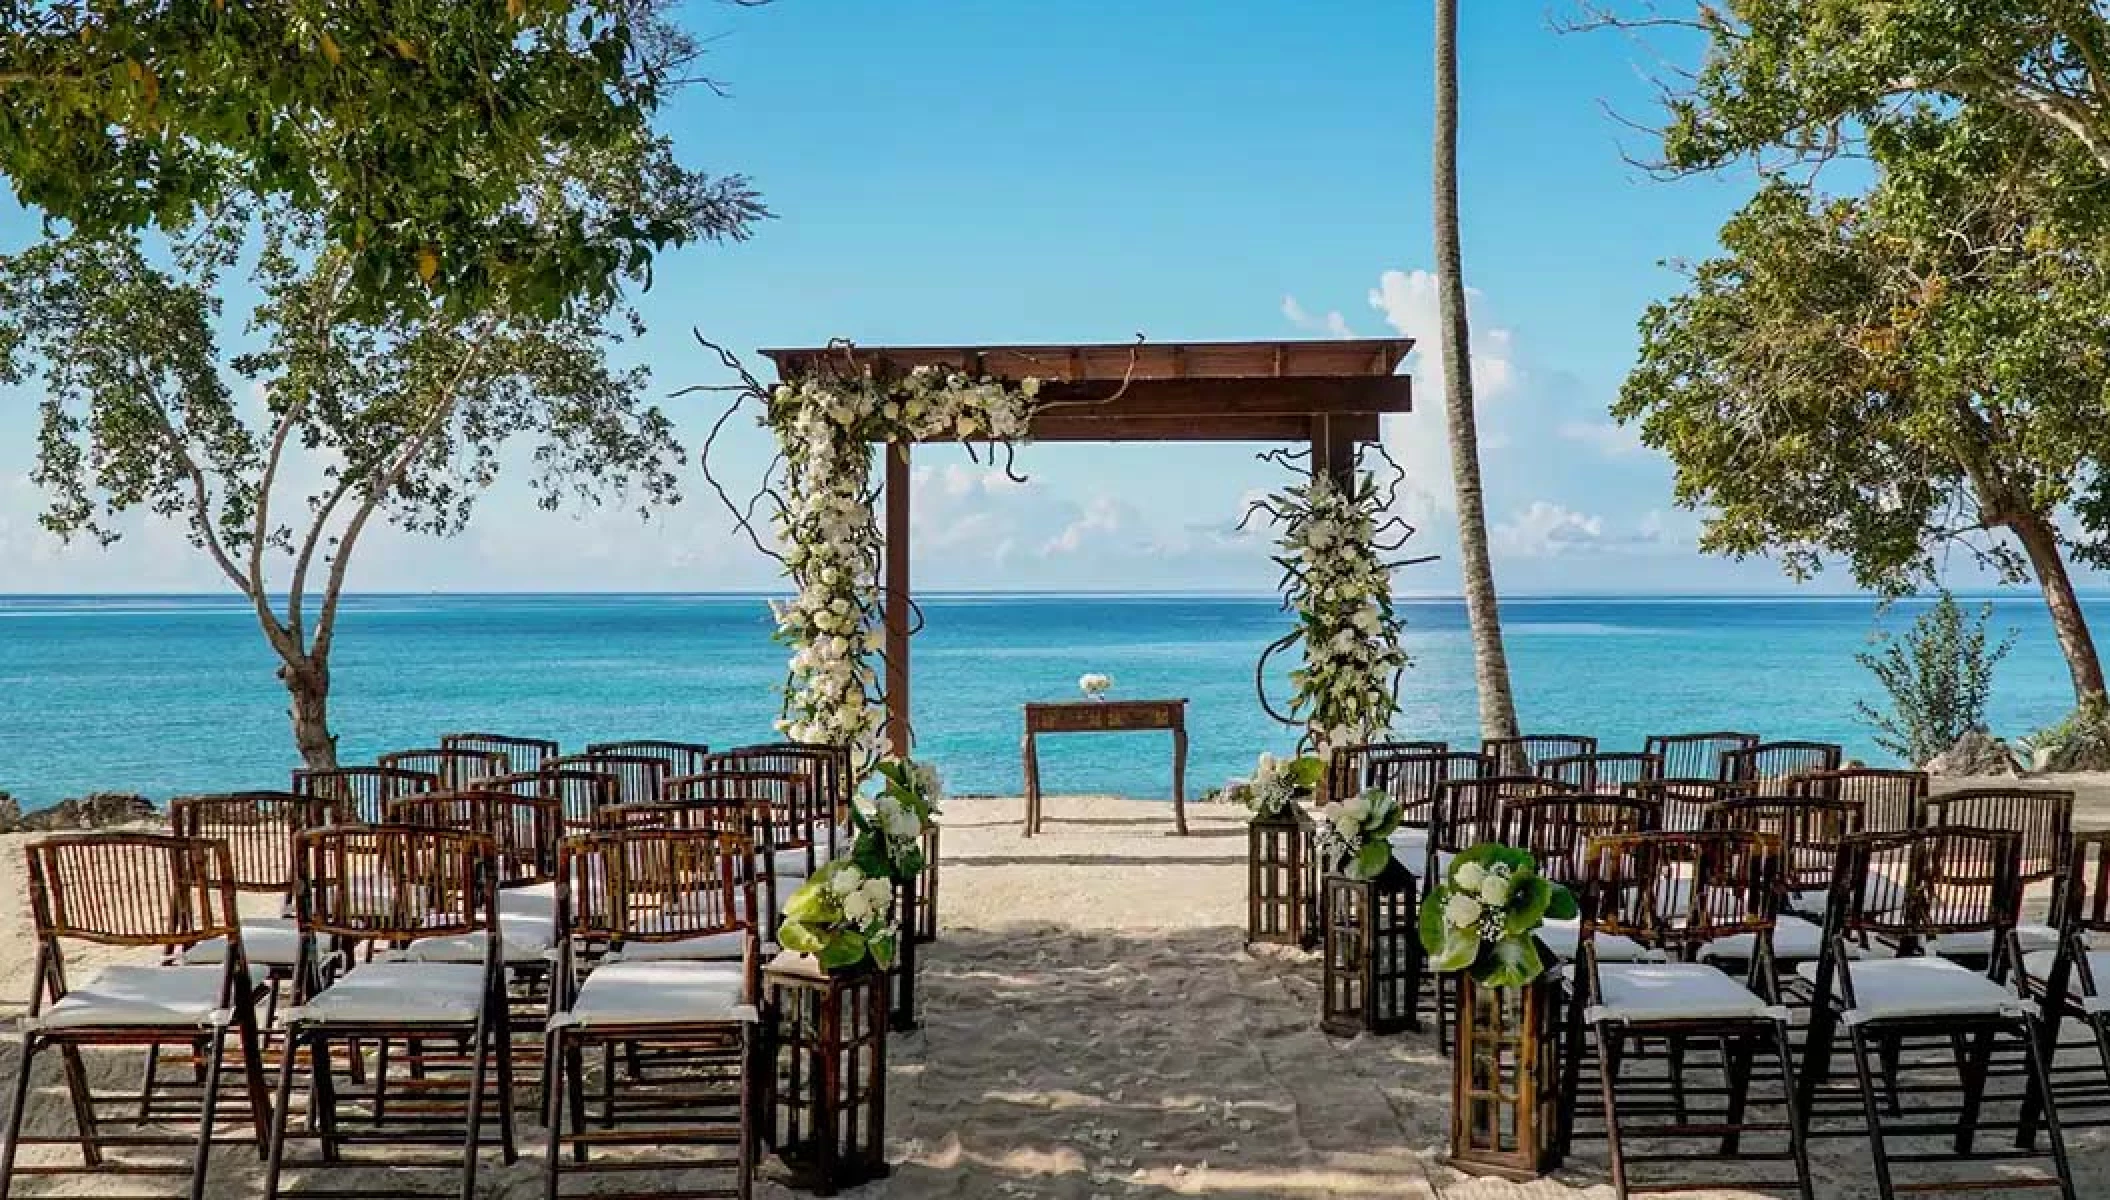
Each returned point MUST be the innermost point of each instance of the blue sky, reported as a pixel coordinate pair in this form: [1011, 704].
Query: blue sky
[1185, 169]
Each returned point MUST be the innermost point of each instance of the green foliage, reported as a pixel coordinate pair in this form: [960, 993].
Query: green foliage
[1486, 914]
[1876, 378]
[420, 135]
[1939, 676]
[840, 917]
[2079, 741]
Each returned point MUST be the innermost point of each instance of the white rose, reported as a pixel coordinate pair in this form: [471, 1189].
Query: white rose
[1469, 876]
[848, 879]
[1494, 891]
[1347, 824]
[1461, 910]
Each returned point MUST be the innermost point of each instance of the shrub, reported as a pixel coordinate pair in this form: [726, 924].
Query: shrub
[2079, 742]
[1939, 675]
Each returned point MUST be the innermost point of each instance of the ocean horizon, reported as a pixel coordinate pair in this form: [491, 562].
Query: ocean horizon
[164, 694]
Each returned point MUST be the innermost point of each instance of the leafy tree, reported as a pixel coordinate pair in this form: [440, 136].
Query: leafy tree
[1806, 78]
[1938, 677]
[404, 415]
[1498, 707]
[1885, 378]
[410, 129]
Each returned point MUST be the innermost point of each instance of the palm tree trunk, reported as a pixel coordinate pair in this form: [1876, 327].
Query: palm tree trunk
[1498, 710]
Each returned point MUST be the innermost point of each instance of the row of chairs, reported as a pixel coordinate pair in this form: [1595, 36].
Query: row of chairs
[428, 923]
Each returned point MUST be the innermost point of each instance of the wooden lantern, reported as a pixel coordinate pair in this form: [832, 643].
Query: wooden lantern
[1372, 954]
[1275, 890]
[925, 928]
[1505, 1089]
[901, 987]
[826, 1091]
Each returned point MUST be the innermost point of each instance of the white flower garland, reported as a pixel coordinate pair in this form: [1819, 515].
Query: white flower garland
[828, 524]
[1346, 693]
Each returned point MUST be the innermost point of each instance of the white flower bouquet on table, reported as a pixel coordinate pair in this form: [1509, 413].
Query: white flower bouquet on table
[1353, 833]
[1275, 785]
[1095, 685]
[842, 917]
[1486, 914]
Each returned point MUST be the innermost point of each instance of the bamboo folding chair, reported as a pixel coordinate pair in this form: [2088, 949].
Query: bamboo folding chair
[1602, 773]
[1675, 894]
[2074, 980]
[363, 794]
[1683, 804]
[1349, 769]
[135, 890]
[1922, 1022]
[1695, 755]
[1557, 829]
[829, 829]
[682, 758]
[579, 794]
[1810, 831]
[1411, 780]
[774, 808]
[522, 754]
[1770, 768]
[259, 829]
[1522, 755]
[2043, 819]
[524, 832]
[457, 768]
[630, 891]
[394, 885]
[638, 776]
[1890, 800]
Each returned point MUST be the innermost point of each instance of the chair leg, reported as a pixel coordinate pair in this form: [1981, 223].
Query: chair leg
[1878, 1148]
[147, 1081]
[471, 1141]
[746, 1178]
[1574, 1032]
[1974, 1059]
[83, 1103]
[208, 1110]
[1798, 1123]
[1892, 1050]
[275, 1158]
[1607, 1078]
[249, 1040]
[504, 1034]
[380, 1080]
[15, 1113]
[1737, 1060]
[553, 1082]
[2040, 1083]
[322, 1065]
[1674, 1054]
[575, 1082]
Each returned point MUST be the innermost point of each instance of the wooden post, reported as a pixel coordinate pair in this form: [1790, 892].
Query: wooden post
[1332, 451]
[897, 597]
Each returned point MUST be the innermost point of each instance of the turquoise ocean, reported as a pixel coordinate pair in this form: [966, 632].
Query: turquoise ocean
[170, 694]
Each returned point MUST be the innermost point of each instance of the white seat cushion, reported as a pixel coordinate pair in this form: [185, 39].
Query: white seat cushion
[266, 941]
[1977, 945]
[1927, 986]
[1794, 940]
[2038, 966]
[661, 993]
[529, 900]
[117, 996]
[1562, 937]
[1643, 992]
[407, 992]
[523, 938]
[1410, 848]
[711, 946]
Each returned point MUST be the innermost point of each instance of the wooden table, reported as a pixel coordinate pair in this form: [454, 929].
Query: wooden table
[1107, 716]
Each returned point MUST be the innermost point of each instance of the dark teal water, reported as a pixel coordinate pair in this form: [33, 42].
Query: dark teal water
[163, 695]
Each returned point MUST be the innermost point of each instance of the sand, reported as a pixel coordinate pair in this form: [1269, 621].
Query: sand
[1094, 1027]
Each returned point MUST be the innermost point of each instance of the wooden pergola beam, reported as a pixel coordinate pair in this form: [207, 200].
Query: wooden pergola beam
[1061, 426]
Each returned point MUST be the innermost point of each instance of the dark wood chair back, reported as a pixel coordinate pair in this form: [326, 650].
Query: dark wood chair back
[1522, 755]
[457, 769]
[258, 827]
[1910, 886]
[524, 830]
[1771, 767]
[638, 776]
[1350, 769]
[1412, 779]
[362, 794]
[2043, 817]
[578, 794]
[522, 754]
[1601, 773]
[1889, 800]
[1810, 831]
[681, 757]
[1696, 755]
[1557, 829]
[1683, 803]
[1677, 892]
[396, 883]
[131, 889]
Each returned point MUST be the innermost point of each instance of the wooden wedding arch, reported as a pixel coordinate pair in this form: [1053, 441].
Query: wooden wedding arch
[1327, 394]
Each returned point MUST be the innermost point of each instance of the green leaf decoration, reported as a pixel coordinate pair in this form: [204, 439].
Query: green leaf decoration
[1529, 895]
[796, 936]
[1560, 904]
[845, 949]
[882, 948]
[1305, 771]
[1460, 949]
[812, 905]
[1430, 922]
[1372, 859]
[1511, 962]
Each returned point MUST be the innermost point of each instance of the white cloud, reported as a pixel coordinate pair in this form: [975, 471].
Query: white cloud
[1606, 437]
[1410, 304]
[1546, 529]
[1333, 324]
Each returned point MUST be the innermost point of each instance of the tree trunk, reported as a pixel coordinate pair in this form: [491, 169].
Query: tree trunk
[1498, 710]
[2041, 543]
[308, 683]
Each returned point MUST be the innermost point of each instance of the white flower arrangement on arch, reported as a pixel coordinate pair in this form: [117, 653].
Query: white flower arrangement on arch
[1336, 582]
[827, 522]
